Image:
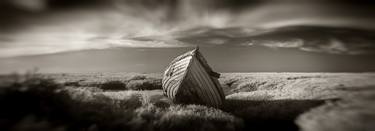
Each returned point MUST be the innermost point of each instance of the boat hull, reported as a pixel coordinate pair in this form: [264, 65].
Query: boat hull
[189, 80]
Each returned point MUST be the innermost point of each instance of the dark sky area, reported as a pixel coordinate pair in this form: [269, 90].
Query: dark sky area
[236, 35]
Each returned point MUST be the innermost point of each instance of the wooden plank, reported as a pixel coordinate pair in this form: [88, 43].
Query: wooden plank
[172, 83]
[188, 95]
[205, 96]
[219, 88]
[202, 82]
[172, 69]
[209, 85]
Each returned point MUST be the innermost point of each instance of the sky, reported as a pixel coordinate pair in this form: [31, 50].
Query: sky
[46, 28]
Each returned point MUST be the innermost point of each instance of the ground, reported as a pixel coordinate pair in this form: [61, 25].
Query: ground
[132, 101]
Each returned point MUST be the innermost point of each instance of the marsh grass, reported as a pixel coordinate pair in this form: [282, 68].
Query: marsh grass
[135, 102]
[354, 112]
[113, 85]
[37, 103]
[260, 114]
[114, 82]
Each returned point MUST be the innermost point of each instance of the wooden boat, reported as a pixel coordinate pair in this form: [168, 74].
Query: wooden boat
[189, 80]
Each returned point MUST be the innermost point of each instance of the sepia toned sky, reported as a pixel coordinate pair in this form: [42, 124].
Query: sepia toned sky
[342, 28]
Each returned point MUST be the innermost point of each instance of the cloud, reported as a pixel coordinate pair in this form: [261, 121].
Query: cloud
[66, 25]
[293, 43]
[332, 46]
[336, 46]
[319, 39]
[30, 5]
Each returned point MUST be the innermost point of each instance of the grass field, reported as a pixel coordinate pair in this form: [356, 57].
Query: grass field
[131, 101]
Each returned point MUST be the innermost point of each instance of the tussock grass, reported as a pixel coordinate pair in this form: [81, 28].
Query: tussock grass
[113, 85]
[185, 118]
[111, 81]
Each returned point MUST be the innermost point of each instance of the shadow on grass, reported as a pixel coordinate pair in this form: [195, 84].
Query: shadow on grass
[269, 114]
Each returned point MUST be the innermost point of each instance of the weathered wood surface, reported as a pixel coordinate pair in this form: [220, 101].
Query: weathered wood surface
[189, 80]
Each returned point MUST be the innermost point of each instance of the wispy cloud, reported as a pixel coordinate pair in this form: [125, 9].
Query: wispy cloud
[333, 46]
